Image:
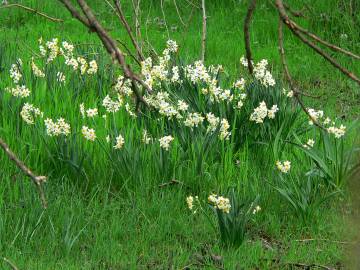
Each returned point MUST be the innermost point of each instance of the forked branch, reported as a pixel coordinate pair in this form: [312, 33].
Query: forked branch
[299, 34]
[37, 180]
[90, 21]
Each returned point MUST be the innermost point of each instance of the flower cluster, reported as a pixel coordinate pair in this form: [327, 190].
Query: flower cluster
[52, 49]
[36, 70]
[262, 74]
[165, 142]
[338, 132]
[193, 120]
[318, 117]
[283, 167]
[219, 202]
[289, 94]
[119, 142]
[19, 91]
[155, 74]
[123, 86]
[240, 84]
[15, 73]
[88, 133]
[261, 112]
[162, 103]
[112, 106]
[315, 115]
[146, 139]
[29, 112]
[60, 127]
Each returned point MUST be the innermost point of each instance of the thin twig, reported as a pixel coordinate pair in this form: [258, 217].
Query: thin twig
[247, 22]
[325, 240]
[33, 11]
[295, 13]
[37, 180]
[203, 40]
[129, 52]
[138, 23]
[172, 182]
[178, 13]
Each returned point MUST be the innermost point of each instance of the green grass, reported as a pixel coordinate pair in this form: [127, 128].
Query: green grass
[111, 213]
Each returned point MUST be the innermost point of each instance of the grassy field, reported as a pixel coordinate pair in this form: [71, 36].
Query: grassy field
[110, 209]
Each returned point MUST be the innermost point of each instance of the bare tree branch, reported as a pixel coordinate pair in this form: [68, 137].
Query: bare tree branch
[247, 22]
[294, 29]
[37, 180]
[203, 39]
[33, 11]
[110, 45]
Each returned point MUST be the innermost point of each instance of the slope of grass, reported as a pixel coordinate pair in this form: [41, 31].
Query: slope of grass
[103, 216]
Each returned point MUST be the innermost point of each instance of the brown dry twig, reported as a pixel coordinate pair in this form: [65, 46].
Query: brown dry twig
[247, 22]
[37, 180]
[33, 11]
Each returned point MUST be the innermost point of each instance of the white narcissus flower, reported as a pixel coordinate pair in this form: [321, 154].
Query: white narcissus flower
[220, 203]
[60, 127]
[29, 112]
[190, 201]
[88, 133]
[119, 142]
[165, 142]
[309, 144]
[92, 112]
[338, 132]
[284, 167]
[146, 139]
